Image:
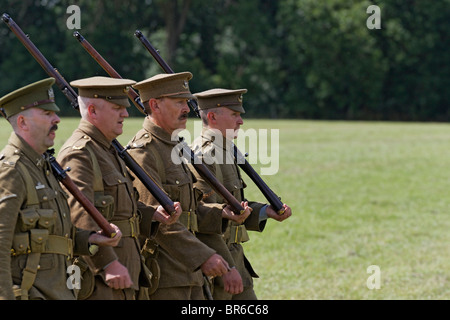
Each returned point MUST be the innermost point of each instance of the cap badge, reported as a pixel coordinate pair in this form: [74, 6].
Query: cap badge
[51, 94]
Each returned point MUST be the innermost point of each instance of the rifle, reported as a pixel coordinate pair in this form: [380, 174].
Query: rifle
[273, 199]
[70, 94]
[186, 151]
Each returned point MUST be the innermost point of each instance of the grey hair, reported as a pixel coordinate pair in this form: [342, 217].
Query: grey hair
[204, 114]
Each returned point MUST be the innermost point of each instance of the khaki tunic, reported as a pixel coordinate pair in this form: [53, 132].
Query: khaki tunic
[117, 183]
[16, 224]
[180, 254]
[215, 146]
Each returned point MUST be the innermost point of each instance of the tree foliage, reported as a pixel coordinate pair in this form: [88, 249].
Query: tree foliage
[297, 58]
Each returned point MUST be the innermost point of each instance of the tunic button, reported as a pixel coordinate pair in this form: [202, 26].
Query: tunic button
[47, 172]
[118, 180]
[45, 198]
[177, 182]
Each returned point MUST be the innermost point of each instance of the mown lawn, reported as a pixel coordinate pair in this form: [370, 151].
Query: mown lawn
[362, 194]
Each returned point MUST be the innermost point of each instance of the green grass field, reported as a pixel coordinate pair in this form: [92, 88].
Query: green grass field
[362, 194]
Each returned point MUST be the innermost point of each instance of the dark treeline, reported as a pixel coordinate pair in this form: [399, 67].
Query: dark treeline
[298, 58]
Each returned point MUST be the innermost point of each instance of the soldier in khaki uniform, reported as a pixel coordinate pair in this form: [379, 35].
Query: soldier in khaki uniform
[102, 176]
[182, 257]
[37, 238]
[220, 110]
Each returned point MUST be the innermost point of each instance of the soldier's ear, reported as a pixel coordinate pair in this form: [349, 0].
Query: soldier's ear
[91, 110]
[154, 105]
[21, 122]
[212, 118]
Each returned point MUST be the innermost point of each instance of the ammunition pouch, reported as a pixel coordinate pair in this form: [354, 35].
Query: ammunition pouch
[39, 241]
[104, 204]
[32, 217]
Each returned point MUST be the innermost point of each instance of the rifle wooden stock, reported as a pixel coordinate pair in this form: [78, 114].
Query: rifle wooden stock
[188, 153]
[62, 176]
[273, 199]
[72, 96]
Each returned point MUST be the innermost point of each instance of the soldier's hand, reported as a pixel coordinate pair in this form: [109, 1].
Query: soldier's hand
[233, 282]
[227, 213]
[162, 216]
[279, 217]
[101, 240]
[117, 276]
[215, 266]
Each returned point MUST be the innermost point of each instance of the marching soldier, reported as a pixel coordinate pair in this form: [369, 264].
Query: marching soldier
[102, 176]
[182, 257]
[37, 238]
[220, 111]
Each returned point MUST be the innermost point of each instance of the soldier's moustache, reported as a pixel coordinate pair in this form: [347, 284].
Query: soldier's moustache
[183, 116]
[53, 128]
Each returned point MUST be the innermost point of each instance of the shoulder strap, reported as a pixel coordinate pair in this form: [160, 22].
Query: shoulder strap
[32, 197]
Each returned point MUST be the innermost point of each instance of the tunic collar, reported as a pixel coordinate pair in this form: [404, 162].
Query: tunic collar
[93, 132]
[22, 146]
[217, 138]
[158, 132]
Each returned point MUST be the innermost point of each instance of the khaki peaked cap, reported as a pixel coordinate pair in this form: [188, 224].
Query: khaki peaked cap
[37, 94]
[114, 90]
[214, 98]
[171, 85]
